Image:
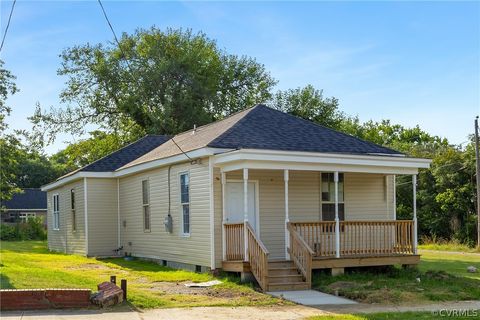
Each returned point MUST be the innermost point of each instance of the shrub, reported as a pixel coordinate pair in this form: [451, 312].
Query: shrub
[8, 232]
[31, 230]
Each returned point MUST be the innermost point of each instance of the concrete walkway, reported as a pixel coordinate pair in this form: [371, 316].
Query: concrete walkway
[297, 312]
[311, 298]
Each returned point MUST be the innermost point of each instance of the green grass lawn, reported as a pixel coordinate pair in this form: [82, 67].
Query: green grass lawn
[29, 264]
[448, 246]
[442, 277]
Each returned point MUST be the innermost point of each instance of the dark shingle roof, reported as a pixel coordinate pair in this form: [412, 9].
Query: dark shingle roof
[126, 154]
[262, 127]
[266, 128]
[29, 199]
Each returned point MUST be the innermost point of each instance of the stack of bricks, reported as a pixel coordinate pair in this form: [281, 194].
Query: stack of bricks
[108, 295]
[32, 299]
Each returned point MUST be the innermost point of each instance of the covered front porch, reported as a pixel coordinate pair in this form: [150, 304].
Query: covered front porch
[300, 218]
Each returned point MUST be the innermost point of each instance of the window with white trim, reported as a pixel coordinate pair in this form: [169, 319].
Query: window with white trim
[24, 216]
[146, 205]
[72, 207]
[328, 197]
[56, 212]
[185, 202]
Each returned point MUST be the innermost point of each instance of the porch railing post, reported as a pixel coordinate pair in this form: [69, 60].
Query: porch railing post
[245, 214]
[224, 241]
[415, 224]
[337, 220]
[287, 218]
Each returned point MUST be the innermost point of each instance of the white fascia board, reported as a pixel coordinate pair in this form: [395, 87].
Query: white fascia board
[76, 176]
[194, 154]
[278, 165]
[321, 158]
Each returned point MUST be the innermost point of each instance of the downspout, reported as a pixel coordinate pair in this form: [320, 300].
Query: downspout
[118, 213]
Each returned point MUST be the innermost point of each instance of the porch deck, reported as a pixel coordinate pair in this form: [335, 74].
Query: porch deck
[320, 245]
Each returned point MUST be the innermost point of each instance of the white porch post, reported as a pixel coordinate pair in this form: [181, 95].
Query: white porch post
[337, 220]
[287, 219]
[245, 212]
[394, 197]
[415, 224]
[224, 218]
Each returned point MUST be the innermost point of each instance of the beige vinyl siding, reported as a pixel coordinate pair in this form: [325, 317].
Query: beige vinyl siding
[102, 216]
[364, 200]
[65, 239]
[157, 243]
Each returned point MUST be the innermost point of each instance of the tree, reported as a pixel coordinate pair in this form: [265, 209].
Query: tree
[308, 103]
[155, 82]
[8, 142]
[85, 151]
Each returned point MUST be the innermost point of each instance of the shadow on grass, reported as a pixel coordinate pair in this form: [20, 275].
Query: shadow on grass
[5, 282]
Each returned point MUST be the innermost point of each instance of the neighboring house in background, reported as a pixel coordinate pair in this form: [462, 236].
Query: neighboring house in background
[259, 191]
[27, 204]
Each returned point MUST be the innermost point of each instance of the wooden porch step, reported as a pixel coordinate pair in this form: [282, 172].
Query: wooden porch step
[280, 264]
[282, 271]
[288, 286]
[290, 278]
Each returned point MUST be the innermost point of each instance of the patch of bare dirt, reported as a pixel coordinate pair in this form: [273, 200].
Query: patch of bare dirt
[90, 266]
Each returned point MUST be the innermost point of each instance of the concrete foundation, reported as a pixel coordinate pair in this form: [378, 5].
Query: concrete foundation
[338, 271]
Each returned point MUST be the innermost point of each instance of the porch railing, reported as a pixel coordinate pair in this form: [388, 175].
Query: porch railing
[301, 254]
[358, 238]
[258, 258]
[234, 241]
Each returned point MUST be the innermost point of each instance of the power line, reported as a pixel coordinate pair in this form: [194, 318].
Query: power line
[128, 64]
[8, 24]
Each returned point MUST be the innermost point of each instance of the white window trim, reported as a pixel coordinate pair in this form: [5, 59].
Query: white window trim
[322, 202]
[53, 212]
[144, 205]
[182, 233]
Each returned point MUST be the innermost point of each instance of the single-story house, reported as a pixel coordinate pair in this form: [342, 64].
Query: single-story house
[24, 205]
[260, 191]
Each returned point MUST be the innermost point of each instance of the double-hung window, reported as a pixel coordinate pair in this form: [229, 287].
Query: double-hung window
[185, 202]
[72, 207]
[56, 212]
[328, 197]
[146, 205]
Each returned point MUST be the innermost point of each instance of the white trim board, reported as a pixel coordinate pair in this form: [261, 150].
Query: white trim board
[230, 160]
[125, 171]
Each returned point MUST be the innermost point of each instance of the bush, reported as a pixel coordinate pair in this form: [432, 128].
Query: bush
[8, 232]
[31, 230]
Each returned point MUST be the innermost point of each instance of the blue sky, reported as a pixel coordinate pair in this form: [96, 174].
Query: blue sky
[411, 62]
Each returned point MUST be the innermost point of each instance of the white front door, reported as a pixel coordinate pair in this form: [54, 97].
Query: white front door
[234, 203]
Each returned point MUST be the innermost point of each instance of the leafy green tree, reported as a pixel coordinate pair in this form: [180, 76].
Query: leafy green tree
[86, 151]
[158, 82]
[310, 104]
[9, 144]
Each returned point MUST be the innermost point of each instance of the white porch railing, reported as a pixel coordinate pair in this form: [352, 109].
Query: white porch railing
[358, 238]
